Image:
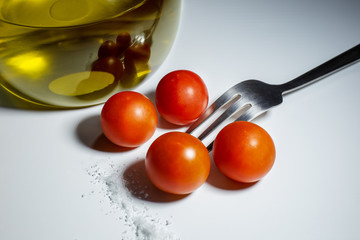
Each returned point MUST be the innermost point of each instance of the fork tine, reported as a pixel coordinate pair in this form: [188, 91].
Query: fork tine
[250, 114]
[219, 102]
[209, 111]
[235, 107]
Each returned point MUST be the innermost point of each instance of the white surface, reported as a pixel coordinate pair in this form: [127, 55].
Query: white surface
[52, 162]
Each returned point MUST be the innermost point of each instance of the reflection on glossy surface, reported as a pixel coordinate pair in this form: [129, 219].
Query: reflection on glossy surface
[81, 83]
[32, 64]
[61, 13]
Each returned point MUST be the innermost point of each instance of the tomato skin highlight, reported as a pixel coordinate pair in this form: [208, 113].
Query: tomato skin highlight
[181, 97]
[128, 119]
[177, 163]
[244, 152]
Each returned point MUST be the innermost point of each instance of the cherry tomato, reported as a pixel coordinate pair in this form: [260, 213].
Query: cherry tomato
[128, 119]
[177, 163]
[123, 41]
[138, 53]
[108, 49]
[111, 65]
[181, 97]
[244, 152]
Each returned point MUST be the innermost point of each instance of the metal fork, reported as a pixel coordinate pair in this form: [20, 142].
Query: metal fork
[253, 97]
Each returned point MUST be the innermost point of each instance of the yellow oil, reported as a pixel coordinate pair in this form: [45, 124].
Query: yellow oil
[48, 47]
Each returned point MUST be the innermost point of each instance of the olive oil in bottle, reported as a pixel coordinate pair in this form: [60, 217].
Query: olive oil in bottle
[65, 53]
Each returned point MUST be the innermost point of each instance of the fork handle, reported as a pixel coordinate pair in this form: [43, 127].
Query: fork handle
[323, 70]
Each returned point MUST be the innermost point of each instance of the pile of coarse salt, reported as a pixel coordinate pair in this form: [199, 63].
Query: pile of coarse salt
[141, 224]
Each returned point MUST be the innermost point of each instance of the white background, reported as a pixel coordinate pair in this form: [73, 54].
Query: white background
[52, 163]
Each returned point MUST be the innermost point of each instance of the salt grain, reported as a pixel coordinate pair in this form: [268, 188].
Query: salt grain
[140, 223]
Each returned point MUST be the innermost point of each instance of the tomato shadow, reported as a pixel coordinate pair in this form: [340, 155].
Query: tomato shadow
[140, 186]
[90, 134]
[151, 96]
[163, 124]
[219, 180]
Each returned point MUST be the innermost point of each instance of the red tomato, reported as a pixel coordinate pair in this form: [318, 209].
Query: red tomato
[128, 119]
[244, 152]
[181, 97]
[177, 162]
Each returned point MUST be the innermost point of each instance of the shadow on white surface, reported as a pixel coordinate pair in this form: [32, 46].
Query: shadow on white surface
[90, 134]
[219, 180]
[163, 124]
